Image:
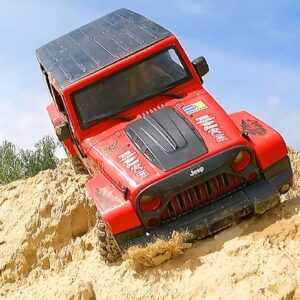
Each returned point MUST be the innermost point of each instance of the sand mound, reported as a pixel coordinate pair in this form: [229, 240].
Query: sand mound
[158, 252]
[48, 249]
[41, 218]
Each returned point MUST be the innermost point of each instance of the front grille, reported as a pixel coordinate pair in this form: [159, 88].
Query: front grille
[200, 194]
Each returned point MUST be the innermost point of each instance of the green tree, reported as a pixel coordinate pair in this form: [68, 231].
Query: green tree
[11, 166]
[42, 158]
[19, 163]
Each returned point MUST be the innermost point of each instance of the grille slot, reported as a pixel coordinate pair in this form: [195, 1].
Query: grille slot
[200, 194]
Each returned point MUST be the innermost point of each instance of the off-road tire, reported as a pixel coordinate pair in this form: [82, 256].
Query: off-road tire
[108, 248]
[77, 165]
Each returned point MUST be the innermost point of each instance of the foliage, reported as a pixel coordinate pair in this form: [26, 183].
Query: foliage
[19, 163]
[11, 165]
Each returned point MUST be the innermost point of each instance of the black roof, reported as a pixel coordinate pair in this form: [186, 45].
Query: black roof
[97, 45]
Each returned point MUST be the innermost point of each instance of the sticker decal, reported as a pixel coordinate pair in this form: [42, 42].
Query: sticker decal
[210, 126]
[112, 148]
[197, 171]
[130, 161]
[253, 127]
[194, 107]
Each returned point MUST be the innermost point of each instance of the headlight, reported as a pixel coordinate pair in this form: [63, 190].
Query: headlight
[241, 161]
[149, 203]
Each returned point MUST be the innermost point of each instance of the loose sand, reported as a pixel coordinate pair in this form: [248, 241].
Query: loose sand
[48, 250]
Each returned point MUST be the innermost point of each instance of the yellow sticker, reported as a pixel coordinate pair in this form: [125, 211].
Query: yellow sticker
[194, 107]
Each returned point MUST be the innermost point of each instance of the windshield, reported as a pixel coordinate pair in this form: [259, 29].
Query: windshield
[115, 93]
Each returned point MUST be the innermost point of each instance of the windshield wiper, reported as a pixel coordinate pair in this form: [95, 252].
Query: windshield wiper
[170, 95]
[122, 118]
[130, 118]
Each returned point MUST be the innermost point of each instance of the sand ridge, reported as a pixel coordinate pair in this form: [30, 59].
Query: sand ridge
[49, 250]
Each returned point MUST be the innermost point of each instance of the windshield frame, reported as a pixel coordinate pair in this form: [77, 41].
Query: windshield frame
[86, 125]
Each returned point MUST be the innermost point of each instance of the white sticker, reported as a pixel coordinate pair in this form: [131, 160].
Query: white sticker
[210, 126]
[130, 161]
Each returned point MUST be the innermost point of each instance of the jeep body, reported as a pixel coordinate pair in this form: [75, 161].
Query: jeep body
[163, 155]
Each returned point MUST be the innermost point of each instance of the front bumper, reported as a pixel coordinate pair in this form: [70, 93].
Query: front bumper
[216, 215]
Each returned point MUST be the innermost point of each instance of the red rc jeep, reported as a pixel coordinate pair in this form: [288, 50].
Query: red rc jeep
[163, 155]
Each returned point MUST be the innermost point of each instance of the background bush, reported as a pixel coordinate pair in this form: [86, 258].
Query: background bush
[19, 163]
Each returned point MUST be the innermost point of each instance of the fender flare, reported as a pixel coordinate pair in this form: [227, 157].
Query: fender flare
[267, 144]
[118, 213]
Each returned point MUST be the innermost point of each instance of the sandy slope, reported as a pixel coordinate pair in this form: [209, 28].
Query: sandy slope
[48, 249]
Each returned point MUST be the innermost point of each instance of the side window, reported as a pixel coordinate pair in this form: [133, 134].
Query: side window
[46, 78]
[58, 99]
[55, 94]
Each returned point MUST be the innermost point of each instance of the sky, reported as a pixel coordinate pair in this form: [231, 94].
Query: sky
[252, 48]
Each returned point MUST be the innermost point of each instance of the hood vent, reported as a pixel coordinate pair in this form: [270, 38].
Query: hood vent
[152, 110]
[166, 139]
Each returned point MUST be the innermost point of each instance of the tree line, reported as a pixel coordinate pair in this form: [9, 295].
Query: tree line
[17, 163]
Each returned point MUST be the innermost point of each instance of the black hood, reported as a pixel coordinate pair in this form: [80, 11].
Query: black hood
[166, 139]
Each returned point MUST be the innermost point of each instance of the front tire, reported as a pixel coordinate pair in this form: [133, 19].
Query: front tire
[109, 250]
[77, 165]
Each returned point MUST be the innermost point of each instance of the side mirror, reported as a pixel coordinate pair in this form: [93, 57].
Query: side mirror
[63, 131]
[201, 66]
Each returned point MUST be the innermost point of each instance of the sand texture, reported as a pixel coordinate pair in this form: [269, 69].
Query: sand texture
[49, 250]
